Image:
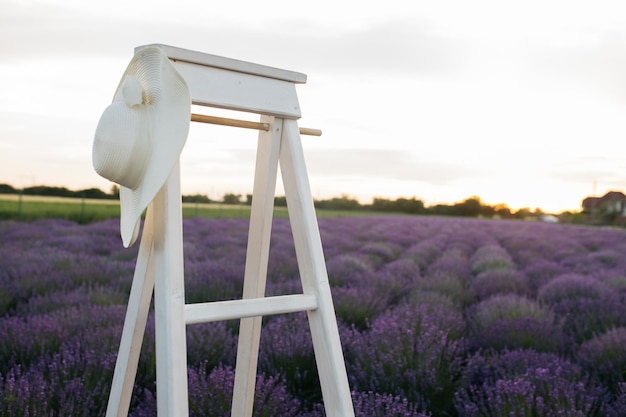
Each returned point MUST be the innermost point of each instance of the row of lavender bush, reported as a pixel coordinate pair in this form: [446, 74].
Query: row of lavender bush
[438, 317]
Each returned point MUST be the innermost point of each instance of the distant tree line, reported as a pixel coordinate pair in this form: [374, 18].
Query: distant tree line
[45, 190]
[470, 207]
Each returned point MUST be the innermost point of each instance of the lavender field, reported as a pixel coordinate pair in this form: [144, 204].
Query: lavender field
[438, 317]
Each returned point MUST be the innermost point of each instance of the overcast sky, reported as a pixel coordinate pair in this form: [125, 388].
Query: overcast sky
[522, 103]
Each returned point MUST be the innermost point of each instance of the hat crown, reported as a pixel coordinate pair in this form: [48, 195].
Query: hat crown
[122, 140]
[132, 91]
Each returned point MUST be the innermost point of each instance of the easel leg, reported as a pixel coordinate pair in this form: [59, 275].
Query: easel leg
[257, 255]
[169, 300]
[312, 266]
[134, 326]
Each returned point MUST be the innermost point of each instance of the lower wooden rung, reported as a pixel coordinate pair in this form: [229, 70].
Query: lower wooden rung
[249, 307]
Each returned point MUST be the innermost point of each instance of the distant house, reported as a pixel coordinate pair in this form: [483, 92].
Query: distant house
[608, 209]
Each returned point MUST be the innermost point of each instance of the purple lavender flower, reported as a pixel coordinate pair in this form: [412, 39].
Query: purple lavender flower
[287, 351]
[74, 381]
[349, 269]
[403, 271]
[526, 383]
[507, 306]
[424, 252]
[585, 305]
[510, 321]
[63, 290]
[604, 356]
[213, 280]
[211, 394]
[380, 253]
[24, 341]
[571, 286]
[413, 351]
[282, 265]
[446, 284]
[360, 302]
[449, 275]
[540, 271]
[23, 393]
[584, 318]
[359, 305]
[617, 406]
[370, 404]
[499, 281]
[491, 257]
[211, 344]
[453, 261]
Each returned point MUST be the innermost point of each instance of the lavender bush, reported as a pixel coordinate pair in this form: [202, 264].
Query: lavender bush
[491, 257]
[617, 407]
[571, 286]
[287, 352]
[605, 358]
[449, 284]
[210, 395]
[540, 271]
[526, 383]
[412, 350]
[510, 321]
[499, 281]
[380, 405]
[437, 316]
[585, 305]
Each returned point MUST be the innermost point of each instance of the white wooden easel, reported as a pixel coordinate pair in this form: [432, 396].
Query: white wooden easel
[226, 83]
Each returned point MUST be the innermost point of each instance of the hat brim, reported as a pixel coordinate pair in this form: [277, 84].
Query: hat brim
[168, 103]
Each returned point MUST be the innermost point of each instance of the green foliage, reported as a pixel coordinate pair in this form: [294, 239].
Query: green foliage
[230, 198]
[471, 207]
[401, 205]
[43, 190]
[196, 198]
[339, 203]
[280, 201]
[7, 189]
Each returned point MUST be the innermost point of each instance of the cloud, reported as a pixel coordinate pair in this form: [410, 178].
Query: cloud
[43, 30]
[607, 171]
[596, 67]
[383, 46]
[389, 47]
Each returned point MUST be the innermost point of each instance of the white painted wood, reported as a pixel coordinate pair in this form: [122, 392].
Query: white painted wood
[216, 87]
[134, 325]
[312, 266]
[208, 60]
[257, 255]
[169, 300]
[251, 307]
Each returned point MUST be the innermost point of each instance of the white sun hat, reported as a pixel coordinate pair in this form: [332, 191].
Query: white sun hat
[140, 135]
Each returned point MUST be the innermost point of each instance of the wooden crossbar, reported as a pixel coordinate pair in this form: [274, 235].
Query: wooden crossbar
[246, 124]
[251, 307]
